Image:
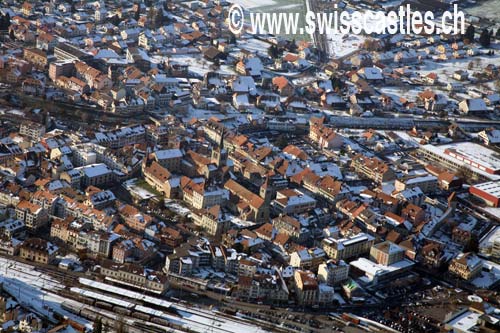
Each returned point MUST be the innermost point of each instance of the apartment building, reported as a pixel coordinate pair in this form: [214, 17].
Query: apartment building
[372, 168]
[427, 183]
[306, 287]
[169, 158]
[37, 57]
[308, 259]
[95, 175]
[292, 201]
[346, 248]
[333, 272]
[136, 275]
[32, 130]
[324, 136]
[291, 227]
[212, 220]
[466, 265]
[38, 250]
[33, 215]
[156, 176]
[121, 137]
[386, 253]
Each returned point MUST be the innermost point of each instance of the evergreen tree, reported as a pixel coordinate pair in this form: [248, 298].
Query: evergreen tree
[151, 17]
[5, 22]
[232, 39]
[485, 38]
[469, 33]
[119, 325]
[97, 328]
[159, 19]
[337, 83]
[273, 51]
[137, 15]
[281, 141]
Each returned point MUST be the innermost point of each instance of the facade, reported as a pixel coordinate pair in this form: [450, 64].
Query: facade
[345, 248]
[38, 250]
[135, 275]
[291, 201]
[307, 259]
[306, 287]
[386, 253]
[466, 266]
[169, 159]
[372, 168]
[333, 272]
[488, 192]
[213, 220]
[33, 215]
[32, 130]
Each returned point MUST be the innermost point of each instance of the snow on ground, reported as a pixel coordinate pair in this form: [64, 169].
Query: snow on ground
[395, 93]
[130, 185]
[27, 274]
[254, 45]
[198, 65]
[197, 319]
[445, 69]
[408, 139]
[241, 223]
[484, 9]
[489, 275]
[34, 290]
[248, 4]
[16, 112]
[176, 207]
[343, 45]
[492, 210]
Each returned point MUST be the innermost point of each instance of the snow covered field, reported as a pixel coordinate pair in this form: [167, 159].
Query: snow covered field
[487, 9]
[252, 4]
[198, 65]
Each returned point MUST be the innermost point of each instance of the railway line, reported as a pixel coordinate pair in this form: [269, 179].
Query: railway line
[42, 289]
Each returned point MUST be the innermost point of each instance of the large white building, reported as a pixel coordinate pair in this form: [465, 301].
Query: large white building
[482, 163]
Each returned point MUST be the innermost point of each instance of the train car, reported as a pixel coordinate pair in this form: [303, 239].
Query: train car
[160, 321]
[89, 314]
[122, 311]
[350, 318]
[140, 315]
[85, 300]
[104, 305]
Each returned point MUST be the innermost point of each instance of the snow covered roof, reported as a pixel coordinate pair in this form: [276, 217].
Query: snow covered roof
[168, 154]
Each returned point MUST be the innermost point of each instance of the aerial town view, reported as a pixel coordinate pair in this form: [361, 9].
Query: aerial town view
[245, 166]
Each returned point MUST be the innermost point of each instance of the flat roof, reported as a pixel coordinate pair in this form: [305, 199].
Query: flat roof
[465, 321]
[373, 269]
[439, 151]
[475, 153]
[491, 188]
